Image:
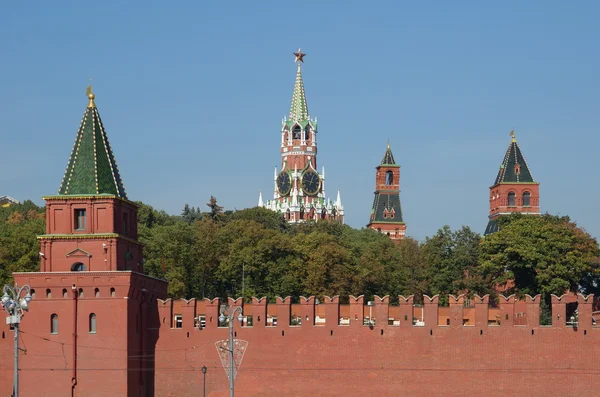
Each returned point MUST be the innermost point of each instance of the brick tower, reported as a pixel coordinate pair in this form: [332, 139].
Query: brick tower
[514, 189]
[299, 189]
[93, 309]
[386, 215]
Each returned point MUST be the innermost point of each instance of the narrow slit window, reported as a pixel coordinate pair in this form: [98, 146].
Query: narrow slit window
[80, 219]
[54, 324]
[92, 323]
[125, 224]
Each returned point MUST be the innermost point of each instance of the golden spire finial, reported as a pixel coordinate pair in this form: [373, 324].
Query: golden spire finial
[299, 56]
[91, 96]
[512, 135]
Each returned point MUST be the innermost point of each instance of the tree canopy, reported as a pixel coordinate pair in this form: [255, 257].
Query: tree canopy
[255, 252]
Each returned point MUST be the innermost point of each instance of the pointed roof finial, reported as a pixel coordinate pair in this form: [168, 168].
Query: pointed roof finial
[91, 96]
[512, 135]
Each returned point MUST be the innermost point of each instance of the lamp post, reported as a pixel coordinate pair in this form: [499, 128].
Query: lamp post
[229, 314]
[371, 304]
[16, 304]
[204, 374]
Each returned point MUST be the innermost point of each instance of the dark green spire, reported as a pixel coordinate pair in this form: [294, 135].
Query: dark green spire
[92, 168]
[514, 168]
[388, 157]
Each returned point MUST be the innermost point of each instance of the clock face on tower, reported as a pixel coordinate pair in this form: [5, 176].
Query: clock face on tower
[284, 183]
[310, 182]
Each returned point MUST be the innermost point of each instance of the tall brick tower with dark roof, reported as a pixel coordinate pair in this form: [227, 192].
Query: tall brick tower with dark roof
[92, 208]
[386, 215]
[90, 295]
[514, 189]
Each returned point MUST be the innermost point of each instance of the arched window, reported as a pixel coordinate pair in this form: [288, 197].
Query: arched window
[78, 267]
[80, 293]
[526, 199]
[97, 293]
[511, 199]
[302, 212]
[323, 213]
[54, 323]
[389, 178]
[48, 293]
[32, 293]
[307, 133]
[296, 132]
[92, 323]
[113, 292]
[65, 293]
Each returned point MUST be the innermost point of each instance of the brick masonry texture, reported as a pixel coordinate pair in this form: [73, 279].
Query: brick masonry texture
[491, 355]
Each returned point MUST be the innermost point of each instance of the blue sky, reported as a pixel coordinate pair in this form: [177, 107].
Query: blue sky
[192, 95]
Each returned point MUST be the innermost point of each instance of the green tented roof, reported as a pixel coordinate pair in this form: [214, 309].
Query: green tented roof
[299, 109]
[92, 168]
[508, 170]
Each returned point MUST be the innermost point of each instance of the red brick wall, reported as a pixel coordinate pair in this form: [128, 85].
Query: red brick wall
[314, 360]
[499, 198]
[385, 360]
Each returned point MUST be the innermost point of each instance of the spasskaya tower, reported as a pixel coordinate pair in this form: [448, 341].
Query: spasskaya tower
[299, 188]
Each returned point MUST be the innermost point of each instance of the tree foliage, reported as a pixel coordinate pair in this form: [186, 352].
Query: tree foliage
[20, 224]
[255, 252]
[545, 254]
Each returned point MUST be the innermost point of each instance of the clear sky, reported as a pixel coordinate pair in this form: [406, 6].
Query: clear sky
[192, 95]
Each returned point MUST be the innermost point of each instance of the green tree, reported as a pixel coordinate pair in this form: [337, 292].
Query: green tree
[19, 246]
[450, 257]
[540, 254]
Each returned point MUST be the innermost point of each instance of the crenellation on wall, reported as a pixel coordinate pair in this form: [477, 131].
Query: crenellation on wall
[584, 311]
[476, 312]
[533, 310]
[406, 305]
[430, 311]
[307, 311]
[356, 310]
[456, 310]
[332, 310]
[482, 311]
[381, 312]
[559, 310]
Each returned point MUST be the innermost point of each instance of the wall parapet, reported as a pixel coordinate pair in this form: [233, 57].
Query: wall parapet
[478, 312]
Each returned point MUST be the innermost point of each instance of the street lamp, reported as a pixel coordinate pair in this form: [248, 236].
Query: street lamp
[371, 304]
[16, 304]
[204, 369]
[229, 314]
